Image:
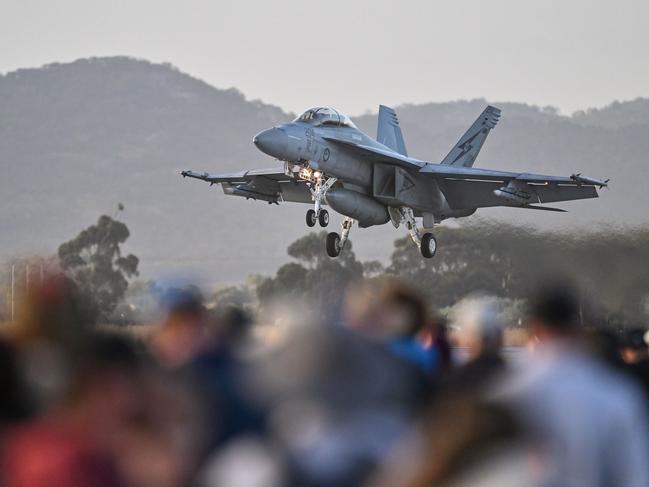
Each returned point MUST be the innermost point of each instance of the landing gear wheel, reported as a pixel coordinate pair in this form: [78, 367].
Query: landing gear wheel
[323, 218]
[428, 245]
[311, 218]
[333, 244]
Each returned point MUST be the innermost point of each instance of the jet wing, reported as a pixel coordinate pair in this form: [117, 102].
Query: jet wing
[377, 154]
[234, 177]
[464, 193]
[458, 172]
[467, 187]
[271, 185]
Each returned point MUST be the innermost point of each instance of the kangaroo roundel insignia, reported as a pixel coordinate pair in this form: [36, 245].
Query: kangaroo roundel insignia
[325, 155]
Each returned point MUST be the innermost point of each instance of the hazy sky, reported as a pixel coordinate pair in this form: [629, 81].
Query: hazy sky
[354, 55]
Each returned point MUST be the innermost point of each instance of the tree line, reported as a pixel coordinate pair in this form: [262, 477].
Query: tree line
[610, 265]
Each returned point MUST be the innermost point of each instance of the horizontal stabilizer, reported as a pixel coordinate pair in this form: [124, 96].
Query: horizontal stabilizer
[545, 208]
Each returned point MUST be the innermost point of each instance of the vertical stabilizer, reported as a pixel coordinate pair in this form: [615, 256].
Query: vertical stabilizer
[388, 132]
[466, 150]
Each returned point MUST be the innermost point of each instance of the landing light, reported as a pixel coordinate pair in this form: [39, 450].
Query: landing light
[305, 173]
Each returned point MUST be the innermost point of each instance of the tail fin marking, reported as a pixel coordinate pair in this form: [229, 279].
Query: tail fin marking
[467, 148]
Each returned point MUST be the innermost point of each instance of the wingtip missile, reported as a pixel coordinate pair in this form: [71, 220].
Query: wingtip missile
[189, 174]
[197, 175]
[579, 179]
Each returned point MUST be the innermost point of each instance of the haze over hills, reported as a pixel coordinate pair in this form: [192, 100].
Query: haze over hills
[77, 138]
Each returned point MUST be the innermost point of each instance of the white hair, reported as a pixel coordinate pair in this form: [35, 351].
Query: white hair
[480, 318]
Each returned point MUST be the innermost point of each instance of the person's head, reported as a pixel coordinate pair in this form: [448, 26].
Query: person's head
[53, 312]
[554, 310]
[385, 309]
[479, 326]
[634, 346]
[233, 325]
[52, 330]
[184, 333]
[107, 384]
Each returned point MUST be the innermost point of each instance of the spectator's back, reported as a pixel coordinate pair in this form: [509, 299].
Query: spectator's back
[589, 420]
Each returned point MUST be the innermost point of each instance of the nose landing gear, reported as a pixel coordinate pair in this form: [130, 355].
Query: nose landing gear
[312, 218]
[318, 192]
[323, 218]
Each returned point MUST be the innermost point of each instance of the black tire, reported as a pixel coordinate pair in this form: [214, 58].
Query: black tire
[428, 245]
[323, 218]
[311, 218]
[333, 244]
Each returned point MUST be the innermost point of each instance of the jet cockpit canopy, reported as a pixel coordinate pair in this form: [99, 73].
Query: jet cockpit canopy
[325, 116]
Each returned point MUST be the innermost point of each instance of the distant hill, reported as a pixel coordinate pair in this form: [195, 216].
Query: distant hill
[77, 138]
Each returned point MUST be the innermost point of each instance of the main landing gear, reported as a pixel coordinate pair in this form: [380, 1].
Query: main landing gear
[426, 242]
[335, 242]
[428, 245]
[318, 192]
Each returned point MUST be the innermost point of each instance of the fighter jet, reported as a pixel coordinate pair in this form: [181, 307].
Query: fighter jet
[327, 160]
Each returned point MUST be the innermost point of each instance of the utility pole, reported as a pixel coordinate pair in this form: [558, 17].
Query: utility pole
[26, 279]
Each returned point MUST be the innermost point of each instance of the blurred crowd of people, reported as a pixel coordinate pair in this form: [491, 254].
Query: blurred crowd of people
[388, 395]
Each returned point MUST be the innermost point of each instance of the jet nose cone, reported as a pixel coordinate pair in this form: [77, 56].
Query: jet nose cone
[273, 142]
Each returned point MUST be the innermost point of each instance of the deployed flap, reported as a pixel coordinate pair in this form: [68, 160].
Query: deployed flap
[388, 132]
[466, 150]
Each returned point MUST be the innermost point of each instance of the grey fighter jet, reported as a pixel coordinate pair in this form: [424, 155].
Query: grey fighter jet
[327, 160]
